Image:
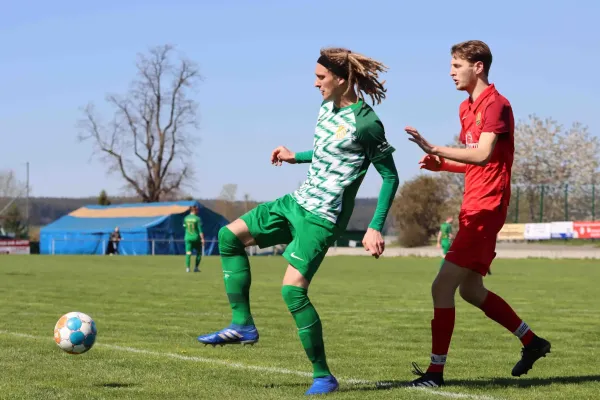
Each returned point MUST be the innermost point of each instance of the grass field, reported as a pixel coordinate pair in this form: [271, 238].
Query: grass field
[376, 316]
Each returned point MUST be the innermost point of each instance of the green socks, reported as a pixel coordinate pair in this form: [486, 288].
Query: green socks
[309, 326]
[236, 274]
[187, 259]
[237, 278]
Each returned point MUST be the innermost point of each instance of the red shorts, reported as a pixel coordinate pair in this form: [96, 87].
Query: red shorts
[474, 246]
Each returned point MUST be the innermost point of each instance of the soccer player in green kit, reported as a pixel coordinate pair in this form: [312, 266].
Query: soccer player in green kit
[445, 236]
[349, 137]
[194, 237]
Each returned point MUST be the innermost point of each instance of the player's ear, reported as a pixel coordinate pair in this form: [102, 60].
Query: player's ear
[479, 67]
[340, 81]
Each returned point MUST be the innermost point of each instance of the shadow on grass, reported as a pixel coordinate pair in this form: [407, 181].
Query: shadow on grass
[525, 382]
[481, 383]
[19, 273]
[115, 385]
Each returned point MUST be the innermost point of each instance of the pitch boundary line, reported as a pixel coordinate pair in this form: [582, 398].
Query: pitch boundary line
[258, 368]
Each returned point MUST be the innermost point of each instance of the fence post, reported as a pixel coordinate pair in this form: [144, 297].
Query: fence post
[517, 206]
[53, 246]
[153, 242]
[593, 201]
[542, 204]
[566, 201]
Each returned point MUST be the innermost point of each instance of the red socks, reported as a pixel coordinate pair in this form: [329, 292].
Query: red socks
[442, 326]
[498, 310]
[494, 307]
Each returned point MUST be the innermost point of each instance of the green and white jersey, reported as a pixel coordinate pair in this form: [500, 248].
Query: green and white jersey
[346, 141]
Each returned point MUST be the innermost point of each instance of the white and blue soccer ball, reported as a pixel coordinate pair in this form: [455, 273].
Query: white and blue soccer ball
[75, 332]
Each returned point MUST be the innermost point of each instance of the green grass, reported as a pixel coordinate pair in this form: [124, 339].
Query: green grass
[376, 316]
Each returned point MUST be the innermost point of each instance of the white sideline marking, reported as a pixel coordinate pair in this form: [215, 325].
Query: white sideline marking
[258, 368]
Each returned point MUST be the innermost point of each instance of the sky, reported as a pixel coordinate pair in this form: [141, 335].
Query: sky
[257, 60]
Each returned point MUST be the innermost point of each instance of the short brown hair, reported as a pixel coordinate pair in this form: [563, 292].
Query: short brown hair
[474, 51]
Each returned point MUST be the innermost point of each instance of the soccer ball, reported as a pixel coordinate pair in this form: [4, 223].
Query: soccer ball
[75, 332]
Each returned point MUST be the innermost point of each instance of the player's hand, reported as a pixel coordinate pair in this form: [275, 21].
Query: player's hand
[373, 242]
[416, 137]
[281, 154]
[438, 246]
[431, 163]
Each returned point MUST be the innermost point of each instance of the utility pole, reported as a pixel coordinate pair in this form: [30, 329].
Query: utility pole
[27, 200]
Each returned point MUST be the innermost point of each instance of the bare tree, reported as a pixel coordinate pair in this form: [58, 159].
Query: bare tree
[149, 141]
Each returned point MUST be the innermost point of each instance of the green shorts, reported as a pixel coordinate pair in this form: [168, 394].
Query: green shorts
[193, 245]
[445, 244]
[283, 221]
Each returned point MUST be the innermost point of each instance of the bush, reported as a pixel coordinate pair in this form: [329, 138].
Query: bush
[419, 209]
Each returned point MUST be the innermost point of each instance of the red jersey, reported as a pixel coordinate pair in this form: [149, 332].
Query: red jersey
[488, 187]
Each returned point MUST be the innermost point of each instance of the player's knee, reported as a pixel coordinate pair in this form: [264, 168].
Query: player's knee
[437, 287]
[473, 294]
[295, 298]
[441, 290]
[189, 253]
[229, 244]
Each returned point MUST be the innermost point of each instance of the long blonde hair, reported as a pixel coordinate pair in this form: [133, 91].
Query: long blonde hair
[363, 72]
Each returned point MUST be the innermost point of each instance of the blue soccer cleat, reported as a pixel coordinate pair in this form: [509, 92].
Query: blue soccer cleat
[233, 334]
[327, 384]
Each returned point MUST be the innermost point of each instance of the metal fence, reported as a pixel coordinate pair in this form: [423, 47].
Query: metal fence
[553, 202]
[140, 247]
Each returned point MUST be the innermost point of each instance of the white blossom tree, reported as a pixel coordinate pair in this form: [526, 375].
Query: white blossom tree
[10, 189]
[555, 168]
[553, 174]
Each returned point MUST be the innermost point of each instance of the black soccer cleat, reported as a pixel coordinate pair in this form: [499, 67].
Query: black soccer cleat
[535, 350]
[426, 379]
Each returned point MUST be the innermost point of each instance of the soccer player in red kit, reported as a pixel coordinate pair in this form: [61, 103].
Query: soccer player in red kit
[487, 132]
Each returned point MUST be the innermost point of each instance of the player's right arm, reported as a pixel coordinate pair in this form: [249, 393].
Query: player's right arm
[436, 163]
[439, 238]
[282, 154]
[304, 156]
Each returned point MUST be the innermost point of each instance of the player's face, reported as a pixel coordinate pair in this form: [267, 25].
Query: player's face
[463, 73]
[327, 83]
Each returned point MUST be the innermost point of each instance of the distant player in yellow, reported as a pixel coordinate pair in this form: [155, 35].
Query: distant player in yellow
[194, 237]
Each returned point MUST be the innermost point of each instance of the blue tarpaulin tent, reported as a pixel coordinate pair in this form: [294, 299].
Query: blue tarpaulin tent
[146, 228]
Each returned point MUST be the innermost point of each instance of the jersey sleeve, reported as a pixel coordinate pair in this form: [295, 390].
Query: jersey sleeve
[199, 223]
[371, 135]
[387, 169]
[497, 118]
[304, 156]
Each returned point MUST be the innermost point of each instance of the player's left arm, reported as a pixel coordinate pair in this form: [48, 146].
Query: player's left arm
[379, 152]
[387, 170]
[200, 230]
